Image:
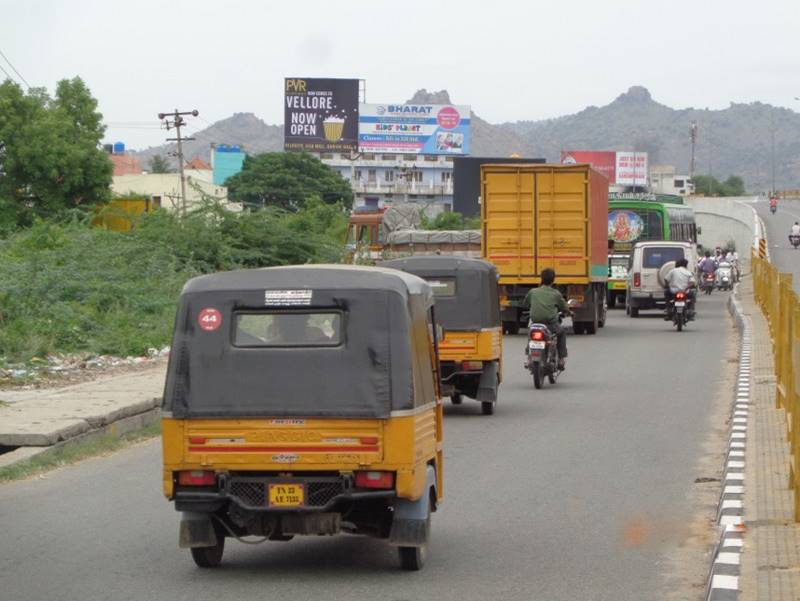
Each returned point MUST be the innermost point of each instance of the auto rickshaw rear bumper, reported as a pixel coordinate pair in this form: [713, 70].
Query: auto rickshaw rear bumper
[250, 493]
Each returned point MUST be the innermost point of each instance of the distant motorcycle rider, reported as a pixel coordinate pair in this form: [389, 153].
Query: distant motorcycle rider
[795, 229]
[680, 279]
[708, 264]
[545, 303]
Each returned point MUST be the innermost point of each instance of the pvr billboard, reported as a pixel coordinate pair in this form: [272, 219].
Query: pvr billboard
[414, 128]
[320, 115]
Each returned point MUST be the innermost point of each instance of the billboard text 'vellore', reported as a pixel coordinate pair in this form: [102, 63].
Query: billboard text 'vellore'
[320, 114]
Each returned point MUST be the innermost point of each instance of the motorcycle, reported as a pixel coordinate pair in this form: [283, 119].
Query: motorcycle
[794, 240]
[680, 308]
[708, 283]
[541, 353]
[773, 209]
[724, 276]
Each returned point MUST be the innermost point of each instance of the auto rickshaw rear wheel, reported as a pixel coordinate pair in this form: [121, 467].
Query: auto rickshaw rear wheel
[455, 398]
[413, 558]
[487, 408]
[209, 557]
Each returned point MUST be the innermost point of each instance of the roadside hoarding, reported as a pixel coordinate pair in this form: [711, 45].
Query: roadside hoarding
[604, 161]
[624, 168]
[632, 168]
[320, 115]
[414, 128]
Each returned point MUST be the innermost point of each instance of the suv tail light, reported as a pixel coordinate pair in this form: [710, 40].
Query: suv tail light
[637, 279]
[197, 478]
[374, 479]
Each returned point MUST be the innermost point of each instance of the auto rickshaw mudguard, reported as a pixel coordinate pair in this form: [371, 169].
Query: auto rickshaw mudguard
[410, 522]
[197, 530]
[487, 386]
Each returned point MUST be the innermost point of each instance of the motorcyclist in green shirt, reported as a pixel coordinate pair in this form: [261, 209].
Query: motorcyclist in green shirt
[545, 303]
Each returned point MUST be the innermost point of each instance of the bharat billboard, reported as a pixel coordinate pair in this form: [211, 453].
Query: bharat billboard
[632, 168]
[414, 128]
[320, 114]
[604, 161]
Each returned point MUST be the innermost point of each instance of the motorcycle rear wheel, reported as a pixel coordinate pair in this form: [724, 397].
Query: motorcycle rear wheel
[538, 375]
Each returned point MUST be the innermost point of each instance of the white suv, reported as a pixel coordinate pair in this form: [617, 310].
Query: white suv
[643, 289]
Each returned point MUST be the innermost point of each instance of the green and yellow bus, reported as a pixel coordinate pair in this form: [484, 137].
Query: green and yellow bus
[635, 217]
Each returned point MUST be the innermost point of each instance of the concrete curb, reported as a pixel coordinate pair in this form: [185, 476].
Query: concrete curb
[116, 423]
[723, 577]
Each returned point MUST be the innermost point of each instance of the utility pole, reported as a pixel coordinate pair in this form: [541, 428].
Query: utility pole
[772, 134]
[693, 138]
[176, 121]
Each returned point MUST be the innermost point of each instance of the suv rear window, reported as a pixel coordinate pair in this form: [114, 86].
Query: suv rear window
[654, 257]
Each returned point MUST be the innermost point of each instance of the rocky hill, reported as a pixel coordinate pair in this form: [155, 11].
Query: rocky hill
[736, 140]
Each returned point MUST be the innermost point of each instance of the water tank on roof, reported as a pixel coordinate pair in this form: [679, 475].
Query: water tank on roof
[119, 147]
[222, 148]
[235, 148]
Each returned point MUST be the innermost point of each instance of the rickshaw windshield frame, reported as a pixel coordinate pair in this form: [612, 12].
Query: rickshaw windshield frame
[288, 332]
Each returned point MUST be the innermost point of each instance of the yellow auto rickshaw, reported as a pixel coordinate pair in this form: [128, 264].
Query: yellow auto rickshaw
[468, 307]
[304, 400]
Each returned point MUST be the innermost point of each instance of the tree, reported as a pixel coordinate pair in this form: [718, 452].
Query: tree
[710, 186]
[159, 164]
[286, 180]
[50, 155]
[451, 221]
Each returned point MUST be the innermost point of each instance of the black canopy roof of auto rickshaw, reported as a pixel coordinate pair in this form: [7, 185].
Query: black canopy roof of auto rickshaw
[475, 304]
[368, 373]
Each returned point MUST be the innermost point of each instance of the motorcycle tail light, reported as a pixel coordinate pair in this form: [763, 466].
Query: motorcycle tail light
[680, 296]
[537, 335]
[637, 279]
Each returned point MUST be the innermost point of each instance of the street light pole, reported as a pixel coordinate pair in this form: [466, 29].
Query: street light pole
[177, 122]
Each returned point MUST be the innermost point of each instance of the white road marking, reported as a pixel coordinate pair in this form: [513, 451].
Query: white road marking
[730, 559]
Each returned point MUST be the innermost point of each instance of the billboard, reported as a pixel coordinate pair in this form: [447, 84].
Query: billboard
[414, 128]
[320, 114]
[632, 168]
[623, 168]
[604, 161]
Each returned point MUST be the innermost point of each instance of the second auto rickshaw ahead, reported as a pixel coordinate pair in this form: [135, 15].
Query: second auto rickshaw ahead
[304, 400]
[468, 307]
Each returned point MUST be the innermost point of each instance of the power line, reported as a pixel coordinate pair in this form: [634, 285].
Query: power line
[14, 69]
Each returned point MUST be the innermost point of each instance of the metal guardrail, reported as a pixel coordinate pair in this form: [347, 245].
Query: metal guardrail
[781, 306]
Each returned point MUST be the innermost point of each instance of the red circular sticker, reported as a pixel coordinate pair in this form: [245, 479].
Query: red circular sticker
[209, 319]
[448, 117]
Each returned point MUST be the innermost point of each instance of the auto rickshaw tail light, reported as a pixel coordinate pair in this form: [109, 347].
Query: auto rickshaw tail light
[197, 478]
[374, 479]
[472, 365]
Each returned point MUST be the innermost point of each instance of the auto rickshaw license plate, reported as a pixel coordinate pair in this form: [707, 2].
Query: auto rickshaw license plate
[287, 495]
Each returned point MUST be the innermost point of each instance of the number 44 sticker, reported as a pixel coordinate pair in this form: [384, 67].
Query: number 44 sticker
[209, 319]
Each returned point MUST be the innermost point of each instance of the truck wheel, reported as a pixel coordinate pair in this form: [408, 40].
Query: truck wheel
[455, 398]
[578, 327]
[634, 311]
[487, 408]
[209, 557]
[511, 327]
[413, 558]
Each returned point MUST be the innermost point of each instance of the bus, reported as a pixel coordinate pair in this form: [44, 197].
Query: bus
[634, 217]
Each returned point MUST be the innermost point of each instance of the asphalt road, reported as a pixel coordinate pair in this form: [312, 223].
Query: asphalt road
[782, 254]
[580, 491]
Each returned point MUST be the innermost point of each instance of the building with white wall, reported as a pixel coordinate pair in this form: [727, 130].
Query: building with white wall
[664, 179]
[379, 179]
[165, 188]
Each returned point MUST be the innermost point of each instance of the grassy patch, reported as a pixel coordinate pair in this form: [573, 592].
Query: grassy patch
[72, 453]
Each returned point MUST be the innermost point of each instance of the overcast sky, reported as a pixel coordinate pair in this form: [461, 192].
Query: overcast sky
[508, 60]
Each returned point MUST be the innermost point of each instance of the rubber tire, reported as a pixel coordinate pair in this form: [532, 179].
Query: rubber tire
[611, 299]
[413, 558]
[209, 557]
[578, 327]
[680, 324]
[487, 408]
[511, 327]
[538, 375]
[591, 326]
[634, 311]
[456, 399]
